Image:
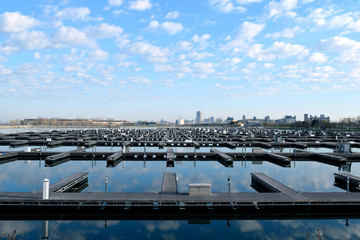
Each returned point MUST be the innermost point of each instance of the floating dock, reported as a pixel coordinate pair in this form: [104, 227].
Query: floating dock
[195, 137]
[263, 183]
[347, 182]
[281, 202]
[169, 184]
[170, 156]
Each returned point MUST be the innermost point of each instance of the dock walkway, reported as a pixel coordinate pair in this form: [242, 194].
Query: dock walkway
[264, 183]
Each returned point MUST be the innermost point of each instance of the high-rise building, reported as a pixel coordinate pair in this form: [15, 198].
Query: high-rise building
[229, 119]
[306, 117]
[244, 117]
[198, 117]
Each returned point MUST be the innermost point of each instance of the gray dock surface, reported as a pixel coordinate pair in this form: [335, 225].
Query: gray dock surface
[169, 184]
[68, 182]
[274, 186]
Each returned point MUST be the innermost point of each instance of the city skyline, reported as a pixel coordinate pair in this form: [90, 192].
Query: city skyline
[197, 120]
[149, 60]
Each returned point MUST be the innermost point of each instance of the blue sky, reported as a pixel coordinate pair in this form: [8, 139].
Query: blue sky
[148, 60]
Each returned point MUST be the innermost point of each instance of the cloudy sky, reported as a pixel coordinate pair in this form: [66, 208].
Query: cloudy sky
[148, 59]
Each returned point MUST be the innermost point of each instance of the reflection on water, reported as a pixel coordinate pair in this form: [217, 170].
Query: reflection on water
[140, 176]
[215, 229]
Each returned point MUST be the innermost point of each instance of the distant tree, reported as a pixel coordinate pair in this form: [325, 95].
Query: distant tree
[14, 122]
[315, 123]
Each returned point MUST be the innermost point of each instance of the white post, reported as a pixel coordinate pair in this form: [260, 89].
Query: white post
[45, 229]
[46, 188]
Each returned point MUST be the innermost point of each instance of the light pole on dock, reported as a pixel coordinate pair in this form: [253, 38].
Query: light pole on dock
[229, 183]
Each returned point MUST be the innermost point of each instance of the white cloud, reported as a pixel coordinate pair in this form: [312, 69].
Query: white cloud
[198, 39]
[249, 225]
[172, 15]
[170, 27]
[140, 5]
[246, 33]
[183, 46]
[112, 3]
[285, 50]
[104, 30]
[339, 21]
[318, 16]
[226, 6]
[355, 26]
[232, 61]
[29, 40]
[202, 41]
[278, 9]
[4, 70]
[268, 65]
[251, 65]
[74, 69]
[178, 69]
[37, 55]
[69, 36]
[247, 1]
[318, 58]
[286, 33]
[203, 68]
[198, 56]
[98, 55]
[277, 50]
[8, 49]
[12, 22]
[139, 80]
[153, 54]
[232, 87]
[249, 30]
[73, 14]
[153, 25]
[338, 44]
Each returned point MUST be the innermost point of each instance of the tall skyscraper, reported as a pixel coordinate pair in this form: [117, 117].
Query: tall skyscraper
[306, 117]
[198, 117]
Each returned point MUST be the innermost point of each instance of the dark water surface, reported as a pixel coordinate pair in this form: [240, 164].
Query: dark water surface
[140, 176]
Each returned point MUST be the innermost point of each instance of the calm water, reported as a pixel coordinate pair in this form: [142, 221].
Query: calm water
[147, 177]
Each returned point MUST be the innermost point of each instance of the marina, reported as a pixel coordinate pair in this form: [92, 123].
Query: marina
[173, 178]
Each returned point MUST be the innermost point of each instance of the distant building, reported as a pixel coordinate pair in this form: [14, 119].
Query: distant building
[229, 119]
[198, 117]
[306, 117]
[244, 117]
[212, 119]
[73, 122]
[267, 119]
[219, 120]
[180, 121]
[322, 117]
[289, 119]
